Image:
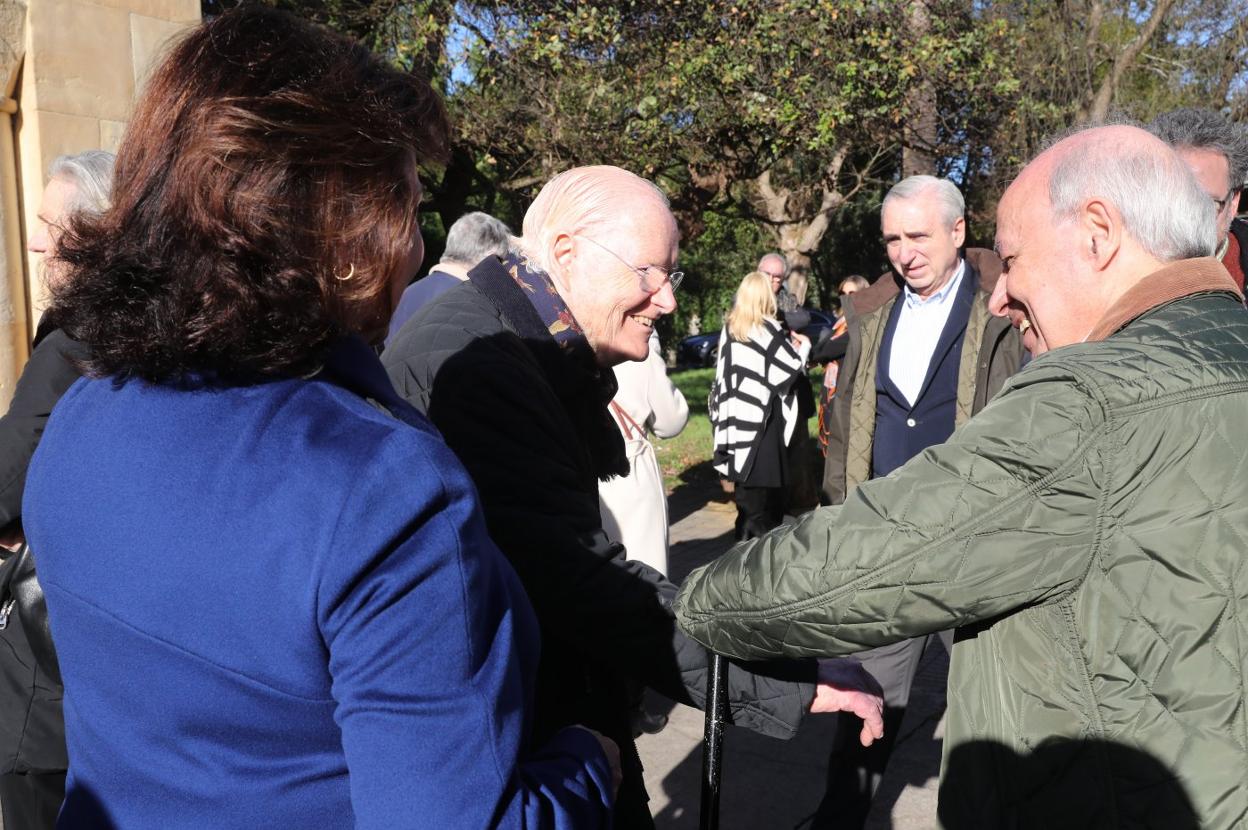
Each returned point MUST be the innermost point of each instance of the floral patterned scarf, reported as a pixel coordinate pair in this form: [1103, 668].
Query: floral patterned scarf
[540, 291]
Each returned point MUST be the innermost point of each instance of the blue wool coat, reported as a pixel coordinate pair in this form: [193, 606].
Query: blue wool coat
[277, 606]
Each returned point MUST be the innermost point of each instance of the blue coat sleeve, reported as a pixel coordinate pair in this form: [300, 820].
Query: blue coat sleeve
[432, 647]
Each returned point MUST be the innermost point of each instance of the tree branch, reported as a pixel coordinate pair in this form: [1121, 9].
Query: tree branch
[1104, 96]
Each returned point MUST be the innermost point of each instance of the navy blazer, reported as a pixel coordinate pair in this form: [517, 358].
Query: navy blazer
[904, 429]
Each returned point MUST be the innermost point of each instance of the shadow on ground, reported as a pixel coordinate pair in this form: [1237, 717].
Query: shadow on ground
[699, 485]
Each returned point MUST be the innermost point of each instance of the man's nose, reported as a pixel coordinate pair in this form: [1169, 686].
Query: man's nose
[998, 303]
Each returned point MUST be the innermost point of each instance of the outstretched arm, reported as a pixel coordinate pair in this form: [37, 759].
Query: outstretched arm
[1000, 516]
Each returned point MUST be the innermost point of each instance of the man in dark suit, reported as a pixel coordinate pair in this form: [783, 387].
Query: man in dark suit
[924, 354]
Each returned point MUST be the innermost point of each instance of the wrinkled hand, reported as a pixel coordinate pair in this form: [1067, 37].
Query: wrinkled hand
[845, 686]
[613, 759]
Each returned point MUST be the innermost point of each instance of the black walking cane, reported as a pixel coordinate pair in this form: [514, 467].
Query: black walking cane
[713, 742]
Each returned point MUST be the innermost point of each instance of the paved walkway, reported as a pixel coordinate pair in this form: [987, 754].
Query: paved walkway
[770, 784]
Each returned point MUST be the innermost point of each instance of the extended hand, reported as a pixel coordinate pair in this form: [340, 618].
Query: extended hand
[845, 686]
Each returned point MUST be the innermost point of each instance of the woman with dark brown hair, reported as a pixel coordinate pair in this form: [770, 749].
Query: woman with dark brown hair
[273, 597]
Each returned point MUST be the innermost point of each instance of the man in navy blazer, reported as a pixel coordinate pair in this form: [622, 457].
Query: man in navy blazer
[924, 354]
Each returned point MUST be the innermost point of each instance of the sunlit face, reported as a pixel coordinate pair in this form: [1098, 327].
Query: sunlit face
[1213, 173]
[922, 247]
[606, 296]
[1038, 289]
[53, 211]
[774, 269]
[848, 287]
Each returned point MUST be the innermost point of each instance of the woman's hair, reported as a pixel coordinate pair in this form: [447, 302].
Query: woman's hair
[858, 281]
[91, 174]
[265, 197]
[755, 302]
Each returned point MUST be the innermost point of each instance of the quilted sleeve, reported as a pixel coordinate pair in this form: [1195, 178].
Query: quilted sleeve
[1001, 516]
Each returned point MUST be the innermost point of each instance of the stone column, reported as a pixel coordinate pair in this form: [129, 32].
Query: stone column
[14, 336]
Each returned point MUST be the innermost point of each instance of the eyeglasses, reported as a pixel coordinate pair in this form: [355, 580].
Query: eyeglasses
[649, 283]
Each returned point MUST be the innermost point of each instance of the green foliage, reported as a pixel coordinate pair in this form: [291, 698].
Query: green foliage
[714, 264]
[705, 98]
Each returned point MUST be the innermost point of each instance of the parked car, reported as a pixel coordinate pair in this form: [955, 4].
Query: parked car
[703, 349]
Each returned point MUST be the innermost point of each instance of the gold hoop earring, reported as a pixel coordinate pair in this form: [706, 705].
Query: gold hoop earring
[349, 275]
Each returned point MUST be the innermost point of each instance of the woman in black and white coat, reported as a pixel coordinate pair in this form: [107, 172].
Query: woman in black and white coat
[753, 404]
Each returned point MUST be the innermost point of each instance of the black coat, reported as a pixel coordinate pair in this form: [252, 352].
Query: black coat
[529, 421]
[32, 728]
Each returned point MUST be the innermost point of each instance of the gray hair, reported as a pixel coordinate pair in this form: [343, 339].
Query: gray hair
[784, 262]
[1198, 129]
[91, 174]
[475, 236]
[1162, 206]
[953, 206]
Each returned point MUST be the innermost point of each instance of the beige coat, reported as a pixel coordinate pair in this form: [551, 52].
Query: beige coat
[634, 507]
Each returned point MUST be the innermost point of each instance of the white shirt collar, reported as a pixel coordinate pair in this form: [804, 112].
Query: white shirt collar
[913, 300]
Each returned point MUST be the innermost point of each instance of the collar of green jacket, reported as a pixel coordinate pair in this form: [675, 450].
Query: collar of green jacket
[875, 296]
[1176, 280]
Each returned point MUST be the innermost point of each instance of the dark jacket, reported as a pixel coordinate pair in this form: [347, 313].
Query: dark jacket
[276, 605]
[531, 425]
[991, 352]
[32, 727]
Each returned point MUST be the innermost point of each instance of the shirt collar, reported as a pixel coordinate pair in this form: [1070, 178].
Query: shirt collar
[940, 297]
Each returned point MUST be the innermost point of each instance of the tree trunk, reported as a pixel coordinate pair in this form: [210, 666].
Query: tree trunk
[797, 232]
[919, 135]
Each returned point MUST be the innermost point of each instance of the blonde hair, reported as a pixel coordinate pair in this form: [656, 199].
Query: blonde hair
[578, 201]
[754, 303]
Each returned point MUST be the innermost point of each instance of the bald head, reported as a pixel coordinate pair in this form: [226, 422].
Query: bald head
[585, 200]
[1087, 219]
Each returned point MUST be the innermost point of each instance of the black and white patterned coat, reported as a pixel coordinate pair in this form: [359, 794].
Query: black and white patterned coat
[747, 377]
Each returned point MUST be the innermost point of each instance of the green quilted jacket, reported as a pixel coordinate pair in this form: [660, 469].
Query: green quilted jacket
[1087, 532]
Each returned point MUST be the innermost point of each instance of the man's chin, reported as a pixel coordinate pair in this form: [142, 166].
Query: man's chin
[1034, 343]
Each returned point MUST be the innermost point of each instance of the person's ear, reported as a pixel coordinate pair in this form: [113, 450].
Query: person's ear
[562, 252]
[1102, 231]
[959, 232]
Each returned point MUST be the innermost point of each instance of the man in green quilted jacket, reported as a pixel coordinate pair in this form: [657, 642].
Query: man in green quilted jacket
[1086, 532]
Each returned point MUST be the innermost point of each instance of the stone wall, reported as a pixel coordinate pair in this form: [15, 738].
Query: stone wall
[73, 75]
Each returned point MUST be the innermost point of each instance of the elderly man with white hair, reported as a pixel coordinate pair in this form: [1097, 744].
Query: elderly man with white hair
[1085, 532]
[514, 367]
[470, 239]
